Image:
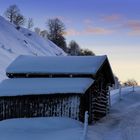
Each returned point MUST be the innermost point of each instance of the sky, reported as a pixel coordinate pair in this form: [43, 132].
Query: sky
[108, 27]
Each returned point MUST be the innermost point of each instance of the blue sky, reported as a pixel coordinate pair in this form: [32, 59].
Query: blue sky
[109, 27]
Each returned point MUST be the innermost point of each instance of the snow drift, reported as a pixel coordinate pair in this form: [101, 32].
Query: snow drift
[54, 128]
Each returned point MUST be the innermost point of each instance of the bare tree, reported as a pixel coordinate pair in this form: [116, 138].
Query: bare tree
[87, 52]
[12, 12]
[56, 30]
[19, 20]
[14, 16]
[75, 49]
[30, 23]
[130, 82]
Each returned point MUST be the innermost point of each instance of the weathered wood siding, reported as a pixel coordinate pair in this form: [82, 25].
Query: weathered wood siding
[99, 103]
[95, 101]
[40, 106]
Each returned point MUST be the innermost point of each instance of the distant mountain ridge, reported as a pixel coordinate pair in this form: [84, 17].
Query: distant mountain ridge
[15, 42]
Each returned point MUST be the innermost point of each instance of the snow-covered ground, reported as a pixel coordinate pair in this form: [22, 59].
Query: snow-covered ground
[123, 123]
[40, 129]
[15, 42]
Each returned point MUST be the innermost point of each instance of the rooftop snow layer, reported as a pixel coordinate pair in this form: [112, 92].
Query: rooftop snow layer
[32, 86]
[61, 64]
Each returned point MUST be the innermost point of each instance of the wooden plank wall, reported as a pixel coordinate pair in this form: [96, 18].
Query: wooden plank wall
[39, 106]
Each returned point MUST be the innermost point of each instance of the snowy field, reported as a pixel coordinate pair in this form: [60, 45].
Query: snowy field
[123, 123]
[40, 129]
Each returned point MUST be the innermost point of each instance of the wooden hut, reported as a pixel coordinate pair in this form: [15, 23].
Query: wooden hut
[56, 86]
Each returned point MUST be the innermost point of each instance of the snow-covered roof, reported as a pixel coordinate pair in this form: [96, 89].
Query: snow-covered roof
[32, 86]
[57, 65]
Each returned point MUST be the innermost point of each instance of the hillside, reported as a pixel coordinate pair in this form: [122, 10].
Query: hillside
[15, 42]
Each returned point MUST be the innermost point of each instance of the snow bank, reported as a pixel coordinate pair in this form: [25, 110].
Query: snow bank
[46, 123]
[115, 96]
[53, 128]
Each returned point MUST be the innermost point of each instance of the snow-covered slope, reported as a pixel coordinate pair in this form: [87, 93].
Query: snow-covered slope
[15, 42]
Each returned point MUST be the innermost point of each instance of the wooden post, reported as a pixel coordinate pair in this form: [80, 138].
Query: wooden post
[133, 88]
[85, 126]
[120, 94]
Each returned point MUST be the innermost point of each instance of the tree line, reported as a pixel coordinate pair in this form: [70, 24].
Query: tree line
[55, 31]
